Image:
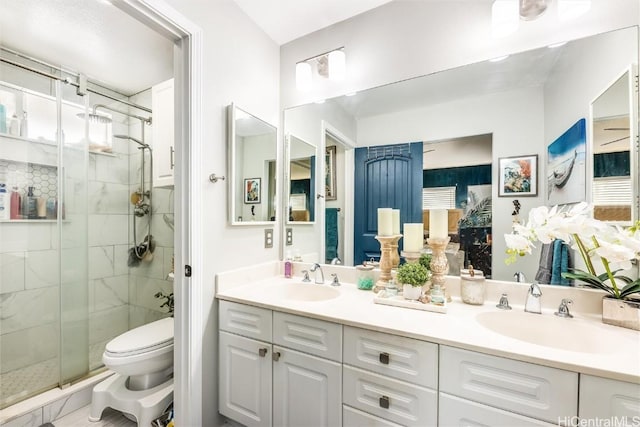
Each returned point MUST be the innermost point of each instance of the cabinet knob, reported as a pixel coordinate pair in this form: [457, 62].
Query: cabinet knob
[384, 358]
[262, 352]
[384, 402]
[275, 356]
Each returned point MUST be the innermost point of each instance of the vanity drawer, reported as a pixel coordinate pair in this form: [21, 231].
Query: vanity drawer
[246, 320]
[394, 400]
[313, 336]
[604, 398]
[525, 388]
[355, 418]
[454, 411]
[403, 358]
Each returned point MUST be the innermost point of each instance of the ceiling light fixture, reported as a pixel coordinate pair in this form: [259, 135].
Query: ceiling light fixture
[331, 65]
[531, 9]
[506, 14]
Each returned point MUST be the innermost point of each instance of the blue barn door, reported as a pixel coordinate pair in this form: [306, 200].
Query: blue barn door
[386, 176]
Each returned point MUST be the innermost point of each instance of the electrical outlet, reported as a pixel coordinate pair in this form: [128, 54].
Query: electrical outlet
[268, 237]
[289, 237]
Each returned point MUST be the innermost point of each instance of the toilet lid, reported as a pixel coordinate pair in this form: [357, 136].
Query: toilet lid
[143, 338]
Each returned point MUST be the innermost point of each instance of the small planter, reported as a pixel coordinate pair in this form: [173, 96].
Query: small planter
[624, 313]
[411, 292]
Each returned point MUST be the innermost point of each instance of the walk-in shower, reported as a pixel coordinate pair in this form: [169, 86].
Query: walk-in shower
[66, 287]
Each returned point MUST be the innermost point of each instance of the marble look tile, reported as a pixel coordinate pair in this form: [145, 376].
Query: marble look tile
[32, 419]
[163, 235]
[106, 324]
[12, 272]
[108, 230]
[21, 237]
[26, 309]
[74, 266]
[144, 289]
[112, 169]
[120, 259]
[153, 269]
[108, 198]
[42, 269]
[28, 346]
[110, 292]
[73, 232]
[101, 262]
[168, 263]
[66, 405]
[139, 316]
[163, 201]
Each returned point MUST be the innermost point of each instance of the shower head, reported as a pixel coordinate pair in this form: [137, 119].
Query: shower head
[136, 140]
[94, 118]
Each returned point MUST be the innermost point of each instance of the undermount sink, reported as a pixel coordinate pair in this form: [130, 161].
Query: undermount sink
[306, 292]
[550, 331]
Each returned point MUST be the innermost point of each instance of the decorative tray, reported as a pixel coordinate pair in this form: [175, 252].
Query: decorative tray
[400, 301]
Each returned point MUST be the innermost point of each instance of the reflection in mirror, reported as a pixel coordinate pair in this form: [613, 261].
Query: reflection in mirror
[301, 158]
[524, 103]
[252, 147]
[611, 128]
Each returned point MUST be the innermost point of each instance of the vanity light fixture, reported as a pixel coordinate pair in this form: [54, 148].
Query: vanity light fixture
[331, 65]
[507, 14]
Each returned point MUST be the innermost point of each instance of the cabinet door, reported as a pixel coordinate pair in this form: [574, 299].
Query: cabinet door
[163, 134]
[454, 411]
[245, 380]
[307, 390]
[602, 398]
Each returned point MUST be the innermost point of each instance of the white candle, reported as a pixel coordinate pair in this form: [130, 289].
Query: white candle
[395, 219]
[413, 237]
[385, 223]
[438, 224]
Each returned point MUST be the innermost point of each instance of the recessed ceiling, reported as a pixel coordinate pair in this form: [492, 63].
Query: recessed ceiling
[286, 20]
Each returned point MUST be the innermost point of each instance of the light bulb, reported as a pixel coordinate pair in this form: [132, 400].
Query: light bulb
[303, 76]
[337, 65]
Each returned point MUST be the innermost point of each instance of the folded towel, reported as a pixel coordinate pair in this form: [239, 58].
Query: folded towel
[561, 263]
[546, 263]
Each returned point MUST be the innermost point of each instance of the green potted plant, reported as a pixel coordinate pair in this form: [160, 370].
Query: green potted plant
[412, 276]
[425, 261]
[614, 247]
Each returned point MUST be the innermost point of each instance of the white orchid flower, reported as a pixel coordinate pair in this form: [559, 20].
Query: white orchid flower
[518, 243]
[618, 256]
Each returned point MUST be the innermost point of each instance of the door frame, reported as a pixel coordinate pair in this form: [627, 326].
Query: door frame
[349, 147]
[188, 241]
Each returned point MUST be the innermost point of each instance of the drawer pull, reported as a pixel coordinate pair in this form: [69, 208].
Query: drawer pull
[384, 358]
[262, 352]
[275, 356]
[384, 402]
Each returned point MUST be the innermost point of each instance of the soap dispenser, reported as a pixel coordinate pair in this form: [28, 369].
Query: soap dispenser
[288, 266]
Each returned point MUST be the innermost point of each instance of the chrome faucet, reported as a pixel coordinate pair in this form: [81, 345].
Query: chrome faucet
[315, 269]
[335, 281]
[519, 277]
[532, 304]
[563, 309]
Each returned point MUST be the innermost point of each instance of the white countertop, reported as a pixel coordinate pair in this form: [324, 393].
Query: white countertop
[617, 358]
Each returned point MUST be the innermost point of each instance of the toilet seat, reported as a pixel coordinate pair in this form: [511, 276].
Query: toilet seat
[144, 339]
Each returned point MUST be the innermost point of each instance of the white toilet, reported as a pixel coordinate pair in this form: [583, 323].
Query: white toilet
[142, 386]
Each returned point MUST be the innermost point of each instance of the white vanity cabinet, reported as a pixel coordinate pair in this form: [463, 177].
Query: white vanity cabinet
[602, 398]
[279, 369]
[162, 104]
[496, 388]
[388, 379]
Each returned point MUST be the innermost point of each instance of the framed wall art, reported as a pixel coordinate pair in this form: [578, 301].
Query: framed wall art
[252, 188]
[330, 176]
[518, 176]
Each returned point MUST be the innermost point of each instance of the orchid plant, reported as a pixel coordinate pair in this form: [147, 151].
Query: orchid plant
[615, 247]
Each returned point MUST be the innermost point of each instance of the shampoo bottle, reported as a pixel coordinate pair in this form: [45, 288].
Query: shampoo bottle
[30, 205]
[4, 200]
[16, 204]
[288, 266]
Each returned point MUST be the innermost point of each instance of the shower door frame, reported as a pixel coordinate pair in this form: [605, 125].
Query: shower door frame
[188, 290]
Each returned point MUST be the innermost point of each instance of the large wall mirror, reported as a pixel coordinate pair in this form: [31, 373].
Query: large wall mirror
[514, 107]
[252, 151]
[301, 180]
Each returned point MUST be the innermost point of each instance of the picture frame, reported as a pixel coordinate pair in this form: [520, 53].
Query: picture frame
[330, 175]
[566, 166]
[252, 189]
[518, 176]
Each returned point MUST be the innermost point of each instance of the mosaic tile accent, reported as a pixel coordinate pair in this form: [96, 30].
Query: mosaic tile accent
[43, 178]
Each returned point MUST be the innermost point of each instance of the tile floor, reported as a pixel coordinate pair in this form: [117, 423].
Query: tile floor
[80, 418]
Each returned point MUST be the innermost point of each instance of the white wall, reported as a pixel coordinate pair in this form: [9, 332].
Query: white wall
[241, 65]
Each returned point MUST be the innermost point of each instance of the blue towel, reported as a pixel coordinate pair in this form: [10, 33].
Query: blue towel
[560, 264]
[331, 233]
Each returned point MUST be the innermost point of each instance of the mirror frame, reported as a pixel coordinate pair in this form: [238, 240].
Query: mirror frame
[232, 186]
[287, 181]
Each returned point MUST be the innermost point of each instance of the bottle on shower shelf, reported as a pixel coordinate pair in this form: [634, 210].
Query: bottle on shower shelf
[30, 205]
[16, 204]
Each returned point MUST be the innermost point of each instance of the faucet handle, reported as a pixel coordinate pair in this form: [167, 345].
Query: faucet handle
[535, 290]
[336, 281]
[306, 276]
[563, 309]
[504, 303]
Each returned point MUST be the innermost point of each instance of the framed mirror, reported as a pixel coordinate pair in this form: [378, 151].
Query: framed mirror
[300, 182]
[613, 131]
[252, 158]
[524, 103]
